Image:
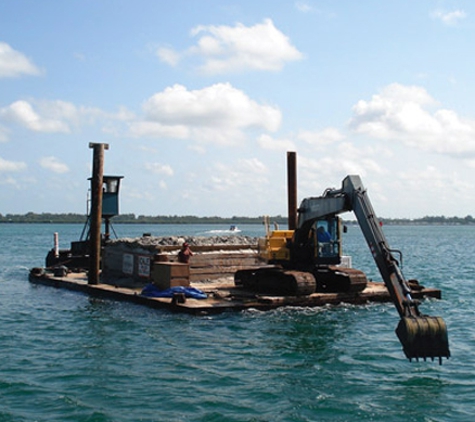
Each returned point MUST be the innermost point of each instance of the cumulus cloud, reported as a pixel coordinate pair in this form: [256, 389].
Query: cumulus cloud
[14, 64]
[217, 105]
[227, 49]
[449, 18]
[23, 113]
[216, 114]
[53, 164]
[10, 166]
[219, 114]
[55, 116]
[408, 114]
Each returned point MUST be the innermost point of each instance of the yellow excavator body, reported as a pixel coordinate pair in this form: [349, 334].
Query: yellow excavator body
[274, 247]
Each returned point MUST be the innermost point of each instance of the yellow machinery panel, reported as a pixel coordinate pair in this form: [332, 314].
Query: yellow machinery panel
[274, 245]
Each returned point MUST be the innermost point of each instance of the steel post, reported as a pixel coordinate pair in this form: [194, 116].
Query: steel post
[292, 189]
[96, 211]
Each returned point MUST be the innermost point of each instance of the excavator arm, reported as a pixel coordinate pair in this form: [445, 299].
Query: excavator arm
[421, 336]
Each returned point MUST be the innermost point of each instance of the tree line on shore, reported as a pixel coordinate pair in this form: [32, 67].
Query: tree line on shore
[72, 218]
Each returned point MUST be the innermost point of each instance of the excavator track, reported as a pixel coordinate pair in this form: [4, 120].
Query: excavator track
[333, 279]
[276, 281]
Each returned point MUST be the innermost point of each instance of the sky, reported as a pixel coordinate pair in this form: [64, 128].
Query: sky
[199, 102]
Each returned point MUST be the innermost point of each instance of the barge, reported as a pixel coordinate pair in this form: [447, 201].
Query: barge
[301, 266]
[130, 267]
[221, 294]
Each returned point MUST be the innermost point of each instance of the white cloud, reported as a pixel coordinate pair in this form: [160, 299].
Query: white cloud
[449, 18]
[53, 164]
[168, 55]
[346, 159]
[59, 110]
[405, 114]
[252, 165]
[221, 136]
[227, 49]
[247, 174]
[13, 63]
[327, 168]
[157, 130]
[268, 142]
[10, 166]
[56, 116]
[158, 168]
[22, 112]
[219, 114]
[440, 186]
[216, 114]
[216, 105]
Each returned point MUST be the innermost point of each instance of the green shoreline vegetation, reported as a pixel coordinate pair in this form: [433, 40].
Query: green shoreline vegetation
[71, 218]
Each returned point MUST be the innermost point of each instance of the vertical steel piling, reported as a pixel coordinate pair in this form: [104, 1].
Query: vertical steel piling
[96, 211]
[292, 189]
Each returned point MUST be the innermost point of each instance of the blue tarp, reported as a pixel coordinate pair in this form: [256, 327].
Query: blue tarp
[151, 290]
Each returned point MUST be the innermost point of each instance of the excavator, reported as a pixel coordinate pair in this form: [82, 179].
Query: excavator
[307, 260]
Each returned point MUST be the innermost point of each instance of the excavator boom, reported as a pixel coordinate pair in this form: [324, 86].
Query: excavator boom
[421, 336]
[305, 260]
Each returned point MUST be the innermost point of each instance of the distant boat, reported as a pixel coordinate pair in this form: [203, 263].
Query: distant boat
[232, 229]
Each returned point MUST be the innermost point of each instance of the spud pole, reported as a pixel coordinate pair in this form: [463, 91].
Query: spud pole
[292, 189]
[96, 211]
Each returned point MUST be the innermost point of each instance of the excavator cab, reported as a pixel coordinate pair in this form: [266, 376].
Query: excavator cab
[327, 241]
[320, 245]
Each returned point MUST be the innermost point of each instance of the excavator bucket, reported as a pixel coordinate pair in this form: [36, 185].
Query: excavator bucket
[423, 337]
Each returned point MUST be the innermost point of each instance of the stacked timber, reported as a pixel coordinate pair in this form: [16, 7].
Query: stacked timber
[221, 261]
[133, 262]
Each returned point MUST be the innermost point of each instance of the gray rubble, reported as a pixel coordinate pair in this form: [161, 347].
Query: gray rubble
[152, 241]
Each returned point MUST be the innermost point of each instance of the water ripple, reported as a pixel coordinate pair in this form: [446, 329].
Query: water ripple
[67, 357]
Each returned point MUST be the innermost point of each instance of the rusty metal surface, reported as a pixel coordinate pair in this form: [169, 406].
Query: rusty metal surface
[292, 190]
[424, 337]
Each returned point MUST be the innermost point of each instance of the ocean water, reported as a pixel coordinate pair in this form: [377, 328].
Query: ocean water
[67, 357]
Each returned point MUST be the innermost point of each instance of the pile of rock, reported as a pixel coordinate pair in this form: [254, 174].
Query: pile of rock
[153, 241]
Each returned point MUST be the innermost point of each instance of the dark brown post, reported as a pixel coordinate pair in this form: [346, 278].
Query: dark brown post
[292, 189]
[96, 211]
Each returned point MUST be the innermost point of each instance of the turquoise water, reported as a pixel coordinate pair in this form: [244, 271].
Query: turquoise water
[67, 357]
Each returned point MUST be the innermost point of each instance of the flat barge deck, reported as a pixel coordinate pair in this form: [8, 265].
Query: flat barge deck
[222, 295]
